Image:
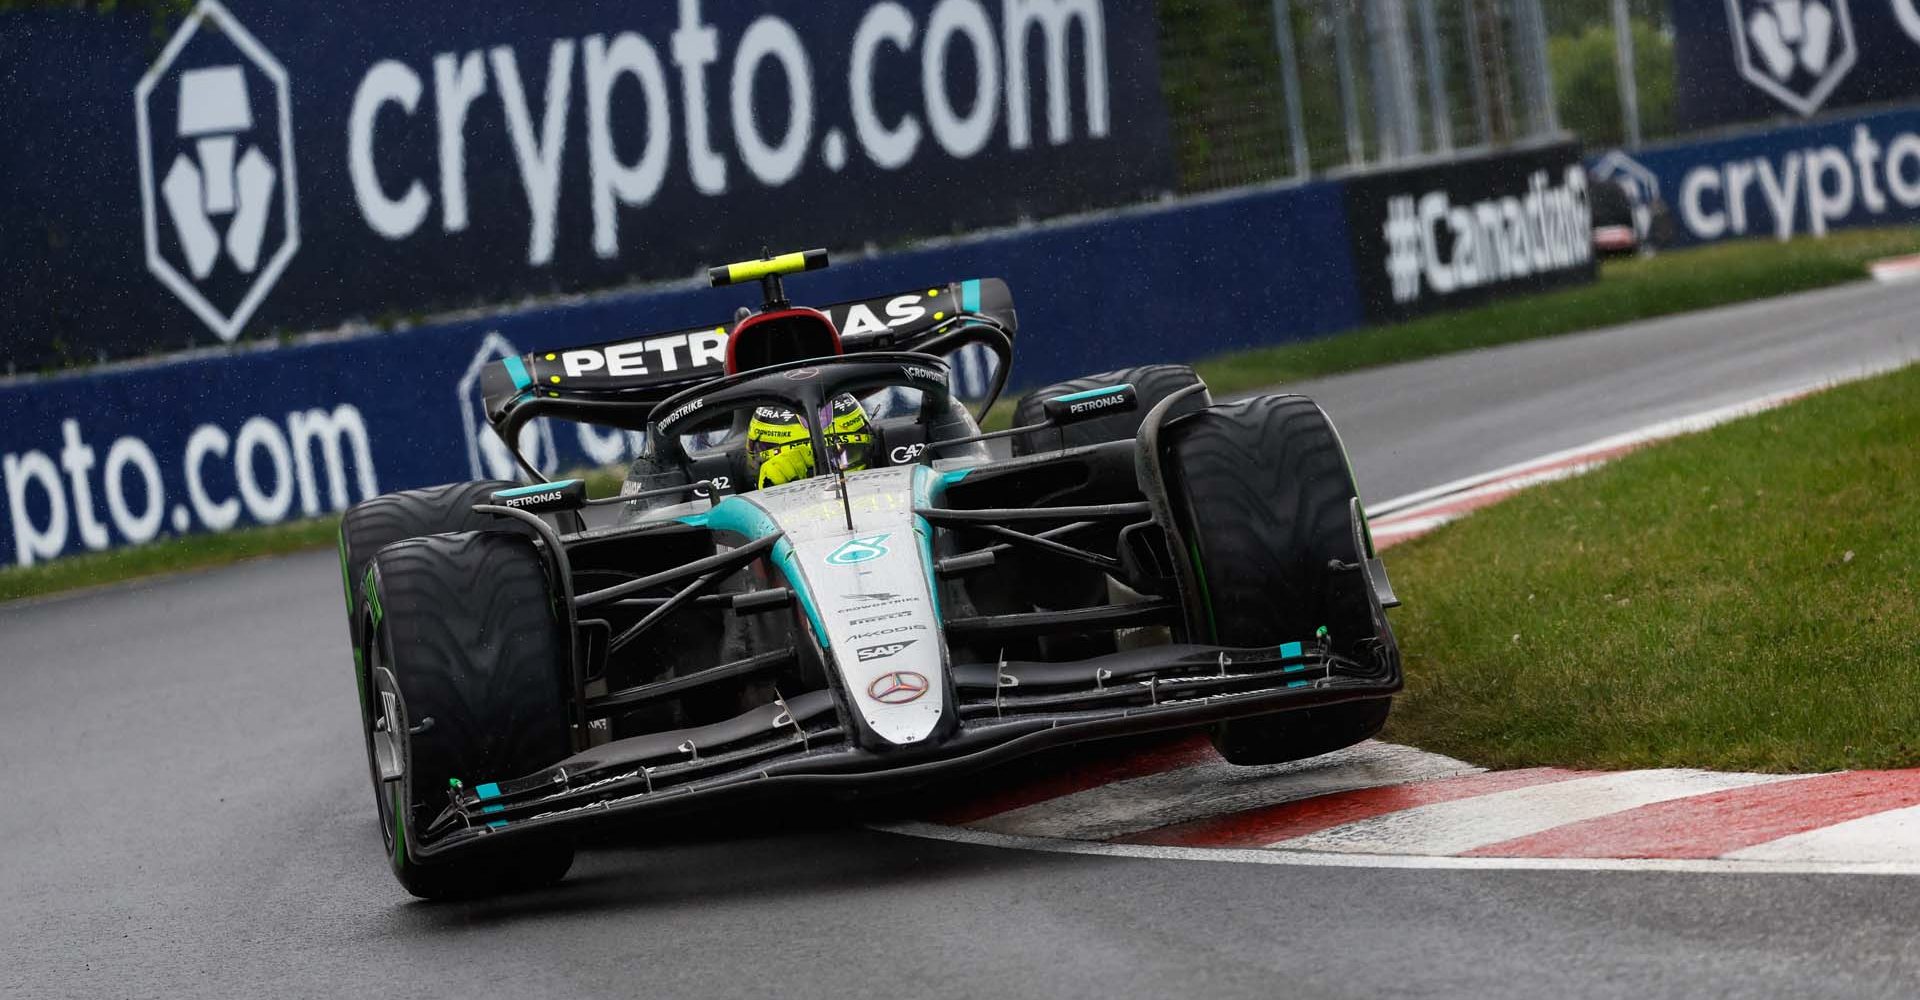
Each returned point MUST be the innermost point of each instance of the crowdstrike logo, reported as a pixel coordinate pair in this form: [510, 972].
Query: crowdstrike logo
[1796, 50]
[217, 192]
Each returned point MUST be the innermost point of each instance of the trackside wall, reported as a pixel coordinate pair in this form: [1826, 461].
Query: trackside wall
[139, 452]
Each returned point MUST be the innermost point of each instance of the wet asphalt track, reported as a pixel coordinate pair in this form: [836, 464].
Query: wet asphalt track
[184, 806]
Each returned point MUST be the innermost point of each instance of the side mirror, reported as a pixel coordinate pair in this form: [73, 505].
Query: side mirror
[1091, 404]
[545, 498]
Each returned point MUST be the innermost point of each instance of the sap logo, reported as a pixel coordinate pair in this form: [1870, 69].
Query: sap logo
[705, 348]
[901, 310]
[1796, 50]
[906, 453]
[217, 191]
[881, 652]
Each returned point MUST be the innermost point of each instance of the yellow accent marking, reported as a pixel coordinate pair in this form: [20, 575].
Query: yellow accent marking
[553, 395]
[933, 293]
[786, 263]
[721, 330]
[555, 379]
[550, 357]
[939, 315]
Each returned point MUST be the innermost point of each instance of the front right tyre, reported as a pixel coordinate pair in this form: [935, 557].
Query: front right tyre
[468, 661]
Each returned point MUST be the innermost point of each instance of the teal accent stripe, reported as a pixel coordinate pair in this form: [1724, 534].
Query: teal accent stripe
[1292, 649]
[745, 518]
[1089, 394]
[521, 491]
[489, 790]
[518, 369]
[496, 824]
[927, 490]
[970, 295]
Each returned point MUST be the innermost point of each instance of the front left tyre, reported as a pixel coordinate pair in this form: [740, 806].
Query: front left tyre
[1266, 498]
[468, 665]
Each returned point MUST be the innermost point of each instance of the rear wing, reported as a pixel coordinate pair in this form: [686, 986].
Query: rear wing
[616, 383]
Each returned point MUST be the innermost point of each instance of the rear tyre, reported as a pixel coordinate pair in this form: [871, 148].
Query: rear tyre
[377, 523]
[1152, 383]
[1264, 493]
[469, 666]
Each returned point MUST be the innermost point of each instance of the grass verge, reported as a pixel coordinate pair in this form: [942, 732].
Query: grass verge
[1742, 599]
[171, 556]
[1627, 290]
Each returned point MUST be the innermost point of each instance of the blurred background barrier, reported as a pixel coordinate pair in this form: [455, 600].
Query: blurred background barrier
[1462, 231]
[1793, 180]
[135, 452]
[1754, 59]
[266, 167]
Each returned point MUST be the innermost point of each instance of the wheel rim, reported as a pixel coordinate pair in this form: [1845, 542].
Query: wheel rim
[384, 751]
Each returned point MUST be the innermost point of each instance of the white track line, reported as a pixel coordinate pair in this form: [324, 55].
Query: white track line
[1888, 837]
[1652, 432]
[1258, 856]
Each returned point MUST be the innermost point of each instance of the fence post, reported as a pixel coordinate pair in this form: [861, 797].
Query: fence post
[1349, 90]
[1439, 108]
[1477, 71]
[1290, 77]
[1394, 113]
[1629, 80]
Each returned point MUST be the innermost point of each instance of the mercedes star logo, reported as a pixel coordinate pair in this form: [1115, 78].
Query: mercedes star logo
[897, 688]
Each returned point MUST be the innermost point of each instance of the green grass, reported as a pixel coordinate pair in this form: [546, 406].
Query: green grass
[1742, 599]
[1627, 290]
[171, 556]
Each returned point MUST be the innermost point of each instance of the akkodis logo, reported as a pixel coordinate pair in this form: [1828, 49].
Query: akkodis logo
[216, 169]
[1795, 50]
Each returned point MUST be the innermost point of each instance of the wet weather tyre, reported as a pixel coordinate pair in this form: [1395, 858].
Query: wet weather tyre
[1264, 492]
[469, 663]
[1152, 383]
[377, 523]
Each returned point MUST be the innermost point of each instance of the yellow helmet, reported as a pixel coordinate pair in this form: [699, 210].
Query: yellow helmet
[779, 451]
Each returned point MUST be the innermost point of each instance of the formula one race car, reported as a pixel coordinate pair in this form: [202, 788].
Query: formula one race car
[819, 578]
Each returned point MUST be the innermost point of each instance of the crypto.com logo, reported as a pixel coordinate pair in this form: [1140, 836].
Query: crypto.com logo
[218, 123]
[1796, 50]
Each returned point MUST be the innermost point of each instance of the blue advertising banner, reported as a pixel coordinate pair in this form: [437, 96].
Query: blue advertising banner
[259, 435]
[1783, 182]
[1744, 60]
[256, 167]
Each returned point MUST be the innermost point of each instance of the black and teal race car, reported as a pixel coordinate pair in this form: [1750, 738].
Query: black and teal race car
[1130, 556]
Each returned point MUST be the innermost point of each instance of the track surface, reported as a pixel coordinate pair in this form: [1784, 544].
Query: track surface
[186, 809]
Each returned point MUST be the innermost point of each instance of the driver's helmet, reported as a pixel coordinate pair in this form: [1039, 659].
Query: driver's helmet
[779, 452]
